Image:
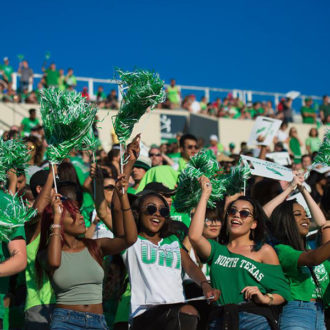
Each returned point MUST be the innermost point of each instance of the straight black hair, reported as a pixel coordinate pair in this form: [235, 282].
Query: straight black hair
[284, 228]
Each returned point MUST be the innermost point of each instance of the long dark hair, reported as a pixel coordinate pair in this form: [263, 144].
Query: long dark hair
[284, 228]
[259, 234]
[47, 220]
[169, 228]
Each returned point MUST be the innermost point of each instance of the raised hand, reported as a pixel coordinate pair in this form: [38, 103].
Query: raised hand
[205, 185]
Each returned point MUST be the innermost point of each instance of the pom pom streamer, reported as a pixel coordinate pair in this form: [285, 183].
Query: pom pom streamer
[189, 190]
[14, 154]
[323, 155]
[141, 90]
[89, 142]
[204, 163]
[67, 119]
[14, 215]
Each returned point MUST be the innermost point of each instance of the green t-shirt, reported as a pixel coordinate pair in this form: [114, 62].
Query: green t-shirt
[179, 216]
[35, 296]
[231, 273]
[175, 156]
[52, 77]
[8, 71]
[295, 147]
[314, 143]
[4, 255]
[302, 285]
[28, 124]
[162, 173]
[307, 120]
[131, 190]
[182, 164]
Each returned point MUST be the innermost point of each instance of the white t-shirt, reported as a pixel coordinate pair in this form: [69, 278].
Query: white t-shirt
[154, 272]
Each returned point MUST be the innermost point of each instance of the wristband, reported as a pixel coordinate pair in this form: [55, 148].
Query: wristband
[53, 226]
[271, 297]
[126, 209]
[56, 234]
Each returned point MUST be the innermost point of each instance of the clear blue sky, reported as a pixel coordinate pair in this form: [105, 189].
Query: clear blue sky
[259, 45]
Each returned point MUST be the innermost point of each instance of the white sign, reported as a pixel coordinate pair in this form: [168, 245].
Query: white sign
[263, 131]
[267, 169]
[321, 169]
[301, 200]
[292, 95]
[282, 158]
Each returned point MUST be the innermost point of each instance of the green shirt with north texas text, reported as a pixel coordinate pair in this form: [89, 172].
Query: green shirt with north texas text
[231, 273]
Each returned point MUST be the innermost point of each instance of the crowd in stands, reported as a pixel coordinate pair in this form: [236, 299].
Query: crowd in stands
[228, 107]
[110, 249]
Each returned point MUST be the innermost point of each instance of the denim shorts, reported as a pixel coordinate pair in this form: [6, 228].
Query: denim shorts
[302, 315]
[247, 321]
[68, 319]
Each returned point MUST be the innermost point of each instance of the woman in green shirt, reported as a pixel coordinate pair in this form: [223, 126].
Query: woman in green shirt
[313, 142]
[295, 144]
[243, 267]
[307, 270]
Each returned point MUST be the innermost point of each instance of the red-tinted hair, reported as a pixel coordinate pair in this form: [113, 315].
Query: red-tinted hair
[45, 230]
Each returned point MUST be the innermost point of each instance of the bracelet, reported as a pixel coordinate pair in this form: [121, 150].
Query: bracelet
[205, 281]
[271, 298]
[53, 226]
[126, 209]
[56, 234]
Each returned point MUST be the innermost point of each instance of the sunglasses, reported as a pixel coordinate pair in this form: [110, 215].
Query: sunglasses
[152, 209]
[243, 214]
[109, 187]
[192, 147]
[154, 155]
[212, 221]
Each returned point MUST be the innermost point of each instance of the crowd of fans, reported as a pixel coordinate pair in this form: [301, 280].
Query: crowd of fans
[228, 107]
[110, 249]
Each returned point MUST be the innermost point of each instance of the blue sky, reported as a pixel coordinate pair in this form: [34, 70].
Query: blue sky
[259, 45]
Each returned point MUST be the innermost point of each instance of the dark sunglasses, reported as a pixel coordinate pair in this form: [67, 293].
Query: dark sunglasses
[163, 211]
[109, 187]
[154, 155]
[243, 214]
[192, 147]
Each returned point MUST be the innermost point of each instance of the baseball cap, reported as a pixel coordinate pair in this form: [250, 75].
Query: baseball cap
[213, 137]
[143, 162]
[157, 187]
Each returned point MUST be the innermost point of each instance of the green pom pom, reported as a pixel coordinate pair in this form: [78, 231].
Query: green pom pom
[14, 215]
[234, 183]
[323, 156]
[141, 90]
[67, 119]
[89, 142]
[14, 154]
[189, 191]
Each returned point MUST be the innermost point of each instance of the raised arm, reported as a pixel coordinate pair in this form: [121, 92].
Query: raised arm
[44, 198]
[197, 240]
[12, 181]
[132, 153]
[271, 205]
[17, 261]
[118, 244]
[54, 249]
[316, 212]
[315, 257]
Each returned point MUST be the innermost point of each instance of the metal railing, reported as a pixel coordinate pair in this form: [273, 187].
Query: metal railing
[244, 95]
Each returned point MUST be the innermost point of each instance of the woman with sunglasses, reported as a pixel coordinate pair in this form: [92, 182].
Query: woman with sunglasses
[154, 264]
[74, 264]
[243, 267]
[307, 270]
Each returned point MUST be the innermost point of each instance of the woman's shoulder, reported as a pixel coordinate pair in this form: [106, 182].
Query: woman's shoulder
[268, 255]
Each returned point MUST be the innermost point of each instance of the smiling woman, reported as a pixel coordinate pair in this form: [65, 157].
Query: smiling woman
[243, 267]
[155, 264]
